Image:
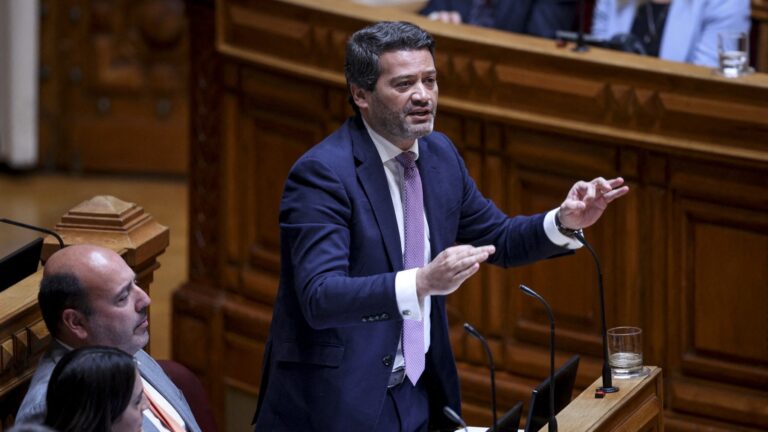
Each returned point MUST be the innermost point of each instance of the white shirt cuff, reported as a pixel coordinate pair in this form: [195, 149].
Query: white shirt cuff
[555, 236]
[405, 292]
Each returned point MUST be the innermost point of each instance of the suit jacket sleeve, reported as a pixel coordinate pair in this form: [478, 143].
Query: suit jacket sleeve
[460, 6]
[718, 16]
[519, 240]
[315, 219]
[547, 16]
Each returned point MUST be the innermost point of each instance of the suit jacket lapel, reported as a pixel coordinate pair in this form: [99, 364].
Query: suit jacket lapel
[370, 172]
[433, 193]
[153, 373]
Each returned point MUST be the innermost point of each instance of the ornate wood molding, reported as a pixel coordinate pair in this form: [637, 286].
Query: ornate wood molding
[118, 225]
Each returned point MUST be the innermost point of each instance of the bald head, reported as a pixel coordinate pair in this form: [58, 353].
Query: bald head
[80, 261]
[88, 296]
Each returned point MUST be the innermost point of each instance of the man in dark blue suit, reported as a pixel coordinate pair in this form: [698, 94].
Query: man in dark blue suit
[534, 17]
[347, 301]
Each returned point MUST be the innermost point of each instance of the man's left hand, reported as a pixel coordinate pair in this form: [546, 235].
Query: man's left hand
[586, 201]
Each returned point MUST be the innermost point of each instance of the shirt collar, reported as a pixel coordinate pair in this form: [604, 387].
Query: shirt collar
[387, 150]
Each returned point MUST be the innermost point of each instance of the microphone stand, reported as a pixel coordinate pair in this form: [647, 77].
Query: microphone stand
[581, 46]
[34, 228]
[552, 418]
[608, 386]
[471, 330]
[451, 414]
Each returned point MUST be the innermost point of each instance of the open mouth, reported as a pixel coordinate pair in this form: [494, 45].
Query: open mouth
[421, 114]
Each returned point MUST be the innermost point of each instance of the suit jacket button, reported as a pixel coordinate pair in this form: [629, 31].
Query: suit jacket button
[387, 361]
[385, 316]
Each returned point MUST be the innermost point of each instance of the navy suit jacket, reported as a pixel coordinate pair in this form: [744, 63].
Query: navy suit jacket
[336, 324]
[534, 17]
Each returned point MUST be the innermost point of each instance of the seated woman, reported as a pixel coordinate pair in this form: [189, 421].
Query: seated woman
[678, 30]
[95, 389]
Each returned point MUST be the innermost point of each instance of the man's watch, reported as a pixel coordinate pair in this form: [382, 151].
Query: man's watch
[564, 230]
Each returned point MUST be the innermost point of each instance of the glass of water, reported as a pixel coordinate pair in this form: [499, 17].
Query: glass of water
[733, 54]
[625, 351]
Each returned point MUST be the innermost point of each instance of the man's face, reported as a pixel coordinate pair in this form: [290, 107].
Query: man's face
[118, 305]
[402, 106]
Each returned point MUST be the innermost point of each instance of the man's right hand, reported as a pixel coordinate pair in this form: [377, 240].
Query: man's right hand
[450, 269]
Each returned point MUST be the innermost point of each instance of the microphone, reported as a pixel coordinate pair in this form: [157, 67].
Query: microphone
[471, 330]
[625, 42]
[580, 45]
[607, 379]
[569, 36]
[451, 414]
[34, 228]
[552, 418]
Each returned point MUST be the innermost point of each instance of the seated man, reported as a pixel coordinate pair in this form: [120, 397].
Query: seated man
[88, 296]
[534, 17]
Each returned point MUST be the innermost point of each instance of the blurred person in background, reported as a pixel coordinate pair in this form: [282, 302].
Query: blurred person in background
[679, 30]
[534, 17]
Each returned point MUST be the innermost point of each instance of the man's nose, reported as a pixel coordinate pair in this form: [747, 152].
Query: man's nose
[420, 93]
[143, 299]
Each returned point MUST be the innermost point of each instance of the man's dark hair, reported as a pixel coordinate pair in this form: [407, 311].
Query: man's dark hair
[58, 292]
[365, 46]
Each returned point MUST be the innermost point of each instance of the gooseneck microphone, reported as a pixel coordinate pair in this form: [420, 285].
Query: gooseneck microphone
[34, 228]
[581, 46]
[471, 330]
[608, 386]
[451, 414]
[552, 418]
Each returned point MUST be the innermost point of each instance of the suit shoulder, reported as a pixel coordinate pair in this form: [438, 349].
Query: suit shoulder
[439, 144]
[333, 150]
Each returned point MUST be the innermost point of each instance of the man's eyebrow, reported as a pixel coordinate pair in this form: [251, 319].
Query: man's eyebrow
[411, 75]
[125, 289]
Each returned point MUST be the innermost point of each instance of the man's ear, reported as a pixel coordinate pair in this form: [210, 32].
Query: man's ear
[359, 95]
[74, 323]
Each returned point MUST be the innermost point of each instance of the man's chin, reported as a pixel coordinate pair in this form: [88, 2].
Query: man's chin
[421, 131]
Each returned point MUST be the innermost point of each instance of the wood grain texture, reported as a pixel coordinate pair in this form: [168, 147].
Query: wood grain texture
[113, 88]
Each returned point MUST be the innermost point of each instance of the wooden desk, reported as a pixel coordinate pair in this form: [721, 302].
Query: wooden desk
[637, 406]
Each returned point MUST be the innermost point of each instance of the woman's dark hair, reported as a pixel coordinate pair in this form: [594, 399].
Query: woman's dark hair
[365, 46]
[90, 387]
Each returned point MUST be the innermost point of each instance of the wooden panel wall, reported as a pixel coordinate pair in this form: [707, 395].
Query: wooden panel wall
[113, 86]
[684, 254]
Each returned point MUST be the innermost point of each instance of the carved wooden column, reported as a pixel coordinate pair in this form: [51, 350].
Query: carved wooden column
[121, 226]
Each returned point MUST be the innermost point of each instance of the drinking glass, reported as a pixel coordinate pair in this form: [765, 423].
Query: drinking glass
[625, 351]
[733, 54]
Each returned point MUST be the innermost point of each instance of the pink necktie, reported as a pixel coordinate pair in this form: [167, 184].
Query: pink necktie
[413, 221]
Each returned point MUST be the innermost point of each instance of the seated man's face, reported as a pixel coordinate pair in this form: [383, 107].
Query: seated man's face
[119, 306]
